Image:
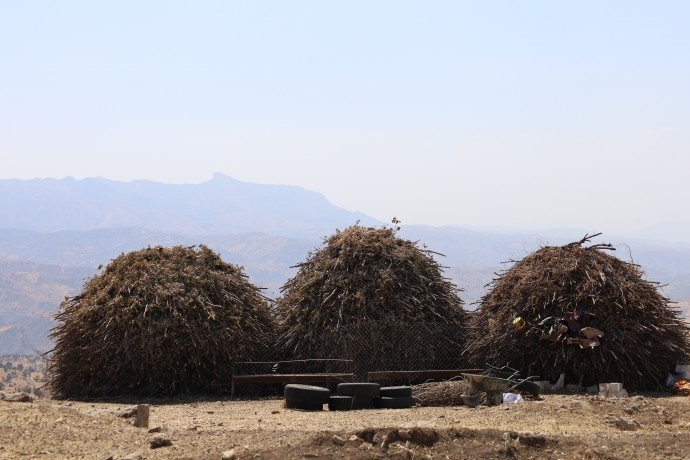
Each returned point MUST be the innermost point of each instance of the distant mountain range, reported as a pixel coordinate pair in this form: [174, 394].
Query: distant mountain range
[220, 206]
[56, 233]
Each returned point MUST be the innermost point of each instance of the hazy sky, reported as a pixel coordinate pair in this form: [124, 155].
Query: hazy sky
[526, 114]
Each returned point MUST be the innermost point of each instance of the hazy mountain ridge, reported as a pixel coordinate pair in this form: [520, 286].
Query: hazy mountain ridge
[38, 267]
[221, 205]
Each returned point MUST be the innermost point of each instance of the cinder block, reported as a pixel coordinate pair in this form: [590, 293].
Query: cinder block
[603, 389]
[615, 387]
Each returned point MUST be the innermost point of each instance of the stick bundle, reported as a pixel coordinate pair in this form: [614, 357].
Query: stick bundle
[156, 322]
[644, 336]
[372, 297]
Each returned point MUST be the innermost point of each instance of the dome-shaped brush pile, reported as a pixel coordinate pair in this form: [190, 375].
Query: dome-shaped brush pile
[643, 336]
[157, 322]
[376, 299]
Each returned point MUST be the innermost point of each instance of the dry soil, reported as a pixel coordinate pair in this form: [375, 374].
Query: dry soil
[552, 427]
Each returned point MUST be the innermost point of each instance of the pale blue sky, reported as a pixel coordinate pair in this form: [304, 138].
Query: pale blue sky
[525, 114]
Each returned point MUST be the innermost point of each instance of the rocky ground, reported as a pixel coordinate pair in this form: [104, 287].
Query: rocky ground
[552, 427]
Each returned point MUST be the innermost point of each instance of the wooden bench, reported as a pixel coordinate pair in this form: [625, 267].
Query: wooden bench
[293, 378]
[290, 378]
[419, 376]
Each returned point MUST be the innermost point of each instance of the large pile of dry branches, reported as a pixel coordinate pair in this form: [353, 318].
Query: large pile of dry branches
[643, 335]
[156, 322]
[374, 298]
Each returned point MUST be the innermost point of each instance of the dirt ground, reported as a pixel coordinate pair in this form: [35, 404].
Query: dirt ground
[553, 427]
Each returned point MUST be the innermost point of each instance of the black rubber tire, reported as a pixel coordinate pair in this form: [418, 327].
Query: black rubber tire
[373, 390]
[301, 405]
[350, 402]
[402, 402]
[528, 387]
[306, 393]
[396, 392]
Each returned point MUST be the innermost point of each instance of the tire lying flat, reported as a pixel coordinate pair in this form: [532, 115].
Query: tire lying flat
[396, 392]
[350, 402]
[372, 390]
[301, 405]
[528, 387]
[306, 393]
[402, 402]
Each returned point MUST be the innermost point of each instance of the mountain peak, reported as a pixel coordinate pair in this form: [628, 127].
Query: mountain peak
[220, 177]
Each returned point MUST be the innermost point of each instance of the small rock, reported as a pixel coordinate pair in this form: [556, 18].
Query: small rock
[159, 440]
[353, 438]
[338, 441]
[17, 397]
[134, 456]
[228, 455]
[632, 409]
[156, 429]
[627, 424]
[309, 455]
[275, 412]
[404, 435]
[128, 412]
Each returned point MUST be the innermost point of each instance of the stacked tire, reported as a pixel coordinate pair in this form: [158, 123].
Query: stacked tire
[305, 397]
[349, 396]
[399, 397]
[353, 396]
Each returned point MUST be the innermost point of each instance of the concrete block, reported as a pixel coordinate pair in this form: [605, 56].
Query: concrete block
[614, 389]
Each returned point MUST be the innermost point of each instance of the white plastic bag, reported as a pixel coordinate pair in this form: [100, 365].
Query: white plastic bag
[512, 398]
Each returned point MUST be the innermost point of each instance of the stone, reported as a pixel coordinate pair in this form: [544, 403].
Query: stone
[404, 435]
[159, 440]
[632, 409]
[142, 416]
[627, 424]
[128, 412]
[17, 397]
[338, 441]
[134, 456]
[156, 429]
[228, 455]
